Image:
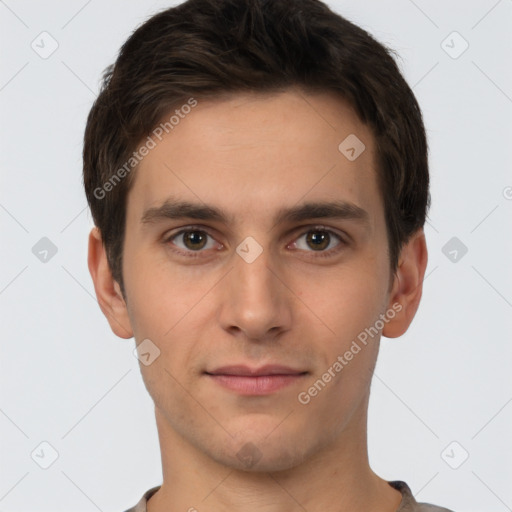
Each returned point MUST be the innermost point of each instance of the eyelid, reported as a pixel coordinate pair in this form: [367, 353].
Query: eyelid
[302, 230]
[191, 227]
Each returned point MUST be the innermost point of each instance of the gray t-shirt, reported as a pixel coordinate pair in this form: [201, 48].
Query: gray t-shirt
[408, 503]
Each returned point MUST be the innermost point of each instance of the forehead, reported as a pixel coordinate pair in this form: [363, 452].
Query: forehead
[252, 154]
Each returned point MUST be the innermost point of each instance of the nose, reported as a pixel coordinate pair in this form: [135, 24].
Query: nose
[256, 302]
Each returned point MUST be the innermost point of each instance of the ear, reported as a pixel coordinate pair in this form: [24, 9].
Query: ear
[407, 285]
[108, 291]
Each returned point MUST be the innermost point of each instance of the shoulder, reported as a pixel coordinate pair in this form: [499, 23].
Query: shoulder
[427, 507]
[143, 502]
[409, 503]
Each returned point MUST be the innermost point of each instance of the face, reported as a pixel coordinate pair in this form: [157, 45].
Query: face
[253, 241]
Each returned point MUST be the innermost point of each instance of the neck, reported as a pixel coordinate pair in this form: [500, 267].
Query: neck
[337, 477]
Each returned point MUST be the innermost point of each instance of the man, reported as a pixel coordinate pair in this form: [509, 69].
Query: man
[257, 174]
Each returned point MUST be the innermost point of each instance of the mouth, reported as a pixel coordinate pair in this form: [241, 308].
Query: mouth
[265, 380]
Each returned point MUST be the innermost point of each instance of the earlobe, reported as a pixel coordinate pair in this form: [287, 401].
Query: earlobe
[108, 292]
[408, 284]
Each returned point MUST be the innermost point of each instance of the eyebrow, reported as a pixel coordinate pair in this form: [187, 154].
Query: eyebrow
[177, 209]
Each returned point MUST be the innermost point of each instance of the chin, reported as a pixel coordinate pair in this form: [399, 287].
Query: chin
[255, 453]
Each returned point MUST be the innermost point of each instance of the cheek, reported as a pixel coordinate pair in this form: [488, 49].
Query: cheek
[349, 304]
[160, 295]
[348, 299]
[170, 308]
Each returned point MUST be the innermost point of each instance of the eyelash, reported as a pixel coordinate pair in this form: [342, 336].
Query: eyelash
[320, 254]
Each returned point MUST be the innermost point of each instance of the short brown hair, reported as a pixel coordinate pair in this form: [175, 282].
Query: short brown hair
[207, 48]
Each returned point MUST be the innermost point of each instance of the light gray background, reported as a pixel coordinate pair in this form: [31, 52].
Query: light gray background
[68, 381]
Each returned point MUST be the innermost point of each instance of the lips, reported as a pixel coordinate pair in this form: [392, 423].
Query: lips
[246, 371]
[264, 380]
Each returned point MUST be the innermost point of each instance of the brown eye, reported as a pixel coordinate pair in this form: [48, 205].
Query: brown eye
[323, 241]
[188, 241]
[318, 240]
[194, 240]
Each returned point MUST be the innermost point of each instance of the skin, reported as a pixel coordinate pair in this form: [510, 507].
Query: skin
[250, 155]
